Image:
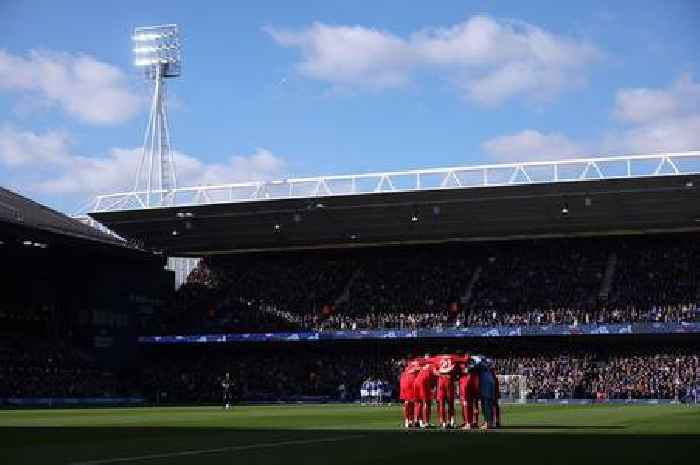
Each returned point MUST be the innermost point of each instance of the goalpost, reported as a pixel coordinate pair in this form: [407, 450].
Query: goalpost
[513, 388]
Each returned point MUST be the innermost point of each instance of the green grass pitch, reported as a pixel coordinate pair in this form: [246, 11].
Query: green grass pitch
[346, 434]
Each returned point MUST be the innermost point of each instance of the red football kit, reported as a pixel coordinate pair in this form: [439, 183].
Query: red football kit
[423, 385]
[423, 389]
[407, 391]
[418, 383]
[469, 393]
[408, 379]
[446, 371]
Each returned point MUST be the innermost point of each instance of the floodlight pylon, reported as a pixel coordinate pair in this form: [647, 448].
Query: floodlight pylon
[157, 51]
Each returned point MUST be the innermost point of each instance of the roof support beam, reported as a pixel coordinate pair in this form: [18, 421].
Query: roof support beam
[568, 170]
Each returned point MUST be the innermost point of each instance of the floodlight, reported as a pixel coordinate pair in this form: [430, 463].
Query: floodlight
[157, 52]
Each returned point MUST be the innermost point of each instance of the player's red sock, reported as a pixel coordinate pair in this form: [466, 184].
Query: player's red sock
[465, 418]
[417, 411]
[441, 411]
[450, 411]
[427, 411]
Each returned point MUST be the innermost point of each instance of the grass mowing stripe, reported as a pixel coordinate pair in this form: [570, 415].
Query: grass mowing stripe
[218, 450]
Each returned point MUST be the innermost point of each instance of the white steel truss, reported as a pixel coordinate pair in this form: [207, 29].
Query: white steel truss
[157, 50]
[464, 177]
[155, 176]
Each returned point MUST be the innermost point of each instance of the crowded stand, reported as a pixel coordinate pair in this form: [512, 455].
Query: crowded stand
[32, 368]
[652, 375]
[302, 374]
[80, 341]
[567, 282]
[36, 367]
[419, 282]
[550, 372]
[658, 281]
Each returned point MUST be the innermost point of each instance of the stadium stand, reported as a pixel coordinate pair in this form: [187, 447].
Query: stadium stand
[80, 298]
[72, 299]
[553, 369]
[32, 367]
[500, 283]
[274, 372]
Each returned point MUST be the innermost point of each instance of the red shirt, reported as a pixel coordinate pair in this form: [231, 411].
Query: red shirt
[463, 363]
[413, 366]
[427, 370]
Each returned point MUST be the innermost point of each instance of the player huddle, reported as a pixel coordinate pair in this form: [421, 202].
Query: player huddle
[374, 391]
[435, 377]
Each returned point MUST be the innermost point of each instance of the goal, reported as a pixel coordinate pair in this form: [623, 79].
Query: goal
[513, 388]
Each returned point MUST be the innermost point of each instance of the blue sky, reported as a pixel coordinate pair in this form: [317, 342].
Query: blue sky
[280, 89]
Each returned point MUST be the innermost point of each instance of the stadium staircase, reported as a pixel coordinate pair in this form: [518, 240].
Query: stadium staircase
[345, 294]
[466, 297]
[281, 314]
[606, 283]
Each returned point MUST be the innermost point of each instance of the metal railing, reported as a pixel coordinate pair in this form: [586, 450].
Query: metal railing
[537, 172]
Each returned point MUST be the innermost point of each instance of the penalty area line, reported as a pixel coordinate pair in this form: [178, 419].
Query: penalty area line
[188, 453]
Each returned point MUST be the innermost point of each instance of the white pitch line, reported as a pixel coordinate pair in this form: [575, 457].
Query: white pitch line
[186, 453]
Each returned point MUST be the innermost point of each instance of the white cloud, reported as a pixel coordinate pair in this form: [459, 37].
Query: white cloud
[261, 165]
[499, 59]
[23, 149]
[491, 60]
[655, 120]
[666, 135]
[93, 91]
[652, 120]
[644, 105]
[349, 55]
[531, 145]
[47, 163]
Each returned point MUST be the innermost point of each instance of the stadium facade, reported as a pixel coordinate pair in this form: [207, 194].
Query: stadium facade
[67, 283]
[290, 267]
[576, 198]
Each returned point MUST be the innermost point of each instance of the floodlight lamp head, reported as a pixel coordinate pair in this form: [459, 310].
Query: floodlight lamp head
[157, 51]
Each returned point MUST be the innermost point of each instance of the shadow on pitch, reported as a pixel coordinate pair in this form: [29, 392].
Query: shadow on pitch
[561, 427]
[220, 446]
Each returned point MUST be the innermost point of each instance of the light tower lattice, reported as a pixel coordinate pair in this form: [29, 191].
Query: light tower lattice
[157, 52]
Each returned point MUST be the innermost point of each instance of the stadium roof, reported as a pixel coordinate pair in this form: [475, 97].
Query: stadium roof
[655, 193]
[20, 211]
[32, 234]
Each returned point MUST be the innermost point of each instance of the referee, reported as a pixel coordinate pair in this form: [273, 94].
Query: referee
[226, 385]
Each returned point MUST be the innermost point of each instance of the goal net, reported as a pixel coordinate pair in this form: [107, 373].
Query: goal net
[513, 388]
